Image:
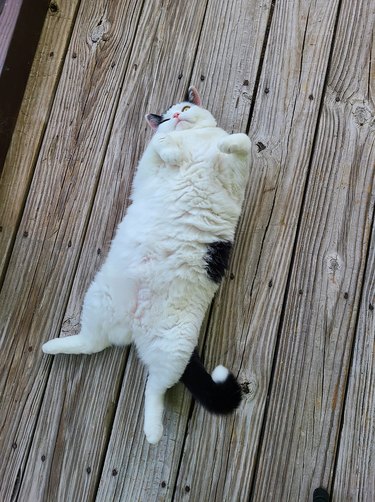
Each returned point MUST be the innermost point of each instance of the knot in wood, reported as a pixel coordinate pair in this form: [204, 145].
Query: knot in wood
[335, 266]
[53, 8]
[100, 32]
[362, 115]
[250, 388]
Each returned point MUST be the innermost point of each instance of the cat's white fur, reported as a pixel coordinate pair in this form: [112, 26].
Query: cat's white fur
[153, 289]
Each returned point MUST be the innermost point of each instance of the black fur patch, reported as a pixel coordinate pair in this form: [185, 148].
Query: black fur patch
[217, 259]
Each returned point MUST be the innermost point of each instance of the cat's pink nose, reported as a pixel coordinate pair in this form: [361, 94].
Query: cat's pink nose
[176, 115]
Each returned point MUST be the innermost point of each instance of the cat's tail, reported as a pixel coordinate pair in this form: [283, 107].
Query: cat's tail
[219, 393]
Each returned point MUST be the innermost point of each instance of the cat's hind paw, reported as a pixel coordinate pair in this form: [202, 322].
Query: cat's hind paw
[238, 144]
[154, 433]
[52, 346]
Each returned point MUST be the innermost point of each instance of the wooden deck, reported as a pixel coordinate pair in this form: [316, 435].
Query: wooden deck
[294, 317]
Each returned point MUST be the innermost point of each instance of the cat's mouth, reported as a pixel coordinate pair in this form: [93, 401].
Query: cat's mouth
[181, 121]
[177, 120]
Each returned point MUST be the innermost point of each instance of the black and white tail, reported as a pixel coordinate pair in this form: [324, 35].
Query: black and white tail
[219, 393]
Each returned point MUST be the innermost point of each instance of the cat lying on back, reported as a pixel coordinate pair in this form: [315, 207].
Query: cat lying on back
[168, 257]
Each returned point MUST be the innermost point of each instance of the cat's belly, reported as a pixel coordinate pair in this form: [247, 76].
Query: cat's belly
[167, 319]
[166, 299]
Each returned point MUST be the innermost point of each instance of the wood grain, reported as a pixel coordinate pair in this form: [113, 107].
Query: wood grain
[354, 474]
[49, 240]
[354, 477]
[247, 310]
[31, 123]
[307, 394]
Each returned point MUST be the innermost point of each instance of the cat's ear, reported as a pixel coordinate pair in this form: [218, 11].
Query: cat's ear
[194, 97]
[153, 120]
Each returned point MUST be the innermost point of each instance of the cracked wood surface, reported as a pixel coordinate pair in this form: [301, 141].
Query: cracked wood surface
[293, 317]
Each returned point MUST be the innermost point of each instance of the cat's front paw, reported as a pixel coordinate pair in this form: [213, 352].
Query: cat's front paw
[239, 144]
[169, 151]
[154, 433]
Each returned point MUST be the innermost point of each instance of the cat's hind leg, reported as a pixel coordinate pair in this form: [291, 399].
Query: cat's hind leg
[164, 372]
[89, 342]
[96, 317]
[238, 144]
[154, 407]
[77, 344]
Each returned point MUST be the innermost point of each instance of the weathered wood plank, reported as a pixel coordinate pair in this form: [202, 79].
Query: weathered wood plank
[312, 367]
[354, 476]
[88, 387]
[144, 472]
[29, 129]
[49, 240]
[247, 310]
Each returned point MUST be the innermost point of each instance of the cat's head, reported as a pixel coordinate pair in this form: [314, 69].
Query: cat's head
[186, 115]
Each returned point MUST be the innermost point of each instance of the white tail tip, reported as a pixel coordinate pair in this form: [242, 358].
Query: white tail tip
[220, 374]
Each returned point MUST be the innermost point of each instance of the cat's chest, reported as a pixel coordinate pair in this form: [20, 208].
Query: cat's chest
[198, 144]
[172, 185]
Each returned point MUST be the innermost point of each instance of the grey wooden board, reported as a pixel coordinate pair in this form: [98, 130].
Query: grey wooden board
[312, 367]
[354, 477]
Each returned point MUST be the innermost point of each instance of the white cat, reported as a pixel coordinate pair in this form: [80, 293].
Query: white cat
[168, 257]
